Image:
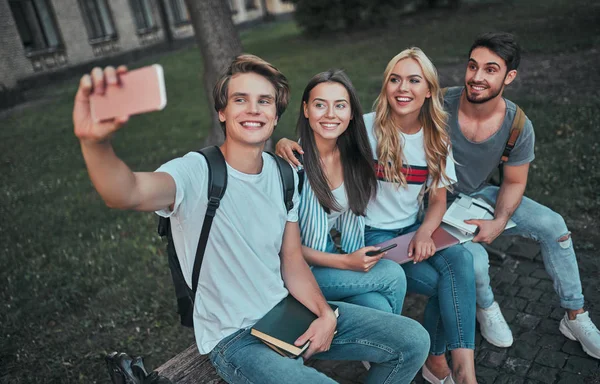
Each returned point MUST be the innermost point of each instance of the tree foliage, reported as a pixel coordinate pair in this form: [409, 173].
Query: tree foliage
[316, 17]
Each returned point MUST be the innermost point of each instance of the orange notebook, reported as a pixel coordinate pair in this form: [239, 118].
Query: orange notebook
[141, 90]
[440, 236]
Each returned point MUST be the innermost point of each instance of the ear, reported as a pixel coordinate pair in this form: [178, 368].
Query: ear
[222, 116]
[428, 95]
[510, 76]
[305, 109]
[276, 121]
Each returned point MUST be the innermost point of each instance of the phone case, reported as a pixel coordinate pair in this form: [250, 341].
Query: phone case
[141, 90]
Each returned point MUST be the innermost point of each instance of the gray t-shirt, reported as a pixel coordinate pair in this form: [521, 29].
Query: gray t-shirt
[476, 161]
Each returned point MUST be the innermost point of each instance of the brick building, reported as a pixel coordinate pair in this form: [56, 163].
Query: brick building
[40, 39]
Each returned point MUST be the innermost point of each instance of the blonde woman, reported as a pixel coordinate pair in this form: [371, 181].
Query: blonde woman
[407, 133]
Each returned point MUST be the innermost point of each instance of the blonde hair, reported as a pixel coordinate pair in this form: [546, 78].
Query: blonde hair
[432, 118]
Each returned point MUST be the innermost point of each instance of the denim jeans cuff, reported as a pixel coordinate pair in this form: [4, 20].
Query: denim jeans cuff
[464, 345]
[572, 304]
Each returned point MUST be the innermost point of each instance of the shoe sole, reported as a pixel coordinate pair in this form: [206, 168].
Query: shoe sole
[564, 329]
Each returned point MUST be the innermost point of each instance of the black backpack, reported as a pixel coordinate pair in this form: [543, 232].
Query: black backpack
[217, 184]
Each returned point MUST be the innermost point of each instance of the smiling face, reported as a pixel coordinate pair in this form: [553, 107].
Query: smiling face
[486, 76]
[250, 114]
[406, 89]
[328, 110]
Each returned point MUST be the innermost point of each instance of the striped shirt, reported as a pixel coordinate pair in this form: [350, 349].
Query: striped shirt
[314, 227]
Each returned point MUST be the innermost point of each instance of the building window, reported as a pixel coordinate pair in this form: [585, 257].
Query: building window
[98, 20]
[144, 18]
[179, 13]
[36, 25]
[251, 4]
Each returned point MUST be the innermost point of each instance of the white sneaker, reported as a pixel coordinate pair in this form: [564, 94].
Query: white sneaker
[431, 378]
[493, 326]
[583, 330]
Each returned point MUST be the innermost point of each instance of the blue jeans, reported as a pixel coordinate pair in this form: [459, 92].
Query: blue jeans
[545, 226]
[447, 278]
[395, 345]
[383, 287]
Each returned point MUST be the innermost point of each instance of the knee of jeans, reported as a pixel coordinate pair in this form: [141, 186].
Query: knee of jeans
[553, 227]
[418, 344]
[481, 265]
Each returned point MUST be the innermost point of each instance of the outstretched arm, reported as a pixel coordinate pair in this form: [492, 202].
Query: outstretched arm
[118, 186]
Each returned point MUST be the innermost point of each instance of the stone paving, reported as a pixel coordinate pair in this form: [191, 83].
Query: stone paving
[540, 353]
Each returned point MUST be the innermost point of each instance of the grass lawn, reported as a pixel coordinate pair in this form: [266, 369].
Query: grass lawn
[78, 280]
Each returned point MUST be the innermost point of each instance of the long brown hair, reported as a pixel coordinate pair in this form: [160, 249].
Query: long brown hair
[432, 117]
[356, 156]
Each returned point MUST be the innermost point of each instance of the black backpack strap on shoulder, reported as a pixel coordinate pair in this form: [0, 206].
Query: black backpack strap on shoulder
[300, 171]
[217, 184]
[287, 180]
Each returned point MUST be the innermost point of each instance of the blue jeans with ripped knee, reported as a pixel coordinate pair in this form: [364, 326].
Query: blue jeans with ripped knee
[548, 228]
[447, 278]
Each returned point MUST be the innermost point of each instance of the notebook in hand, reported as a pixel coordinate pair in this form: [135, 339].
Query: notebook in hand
[467, 208]
[283, 324]
[441, 238]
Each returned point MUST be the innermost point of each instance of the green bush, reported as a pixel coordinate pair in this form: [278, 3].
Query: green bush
[316, 17]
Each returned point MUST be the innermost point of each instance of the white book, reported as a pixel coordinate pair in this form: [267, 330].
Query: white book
[467, 208]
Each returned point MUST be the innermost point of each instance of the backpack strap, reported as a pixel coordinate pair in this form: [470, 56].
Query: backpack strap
[287, 180]
[217, 184]
[515, 131]
[300, 171]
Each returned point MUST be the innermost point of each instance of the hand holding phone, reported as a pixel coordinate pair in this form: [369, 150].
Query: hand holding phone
[381, 250]
[138, 91]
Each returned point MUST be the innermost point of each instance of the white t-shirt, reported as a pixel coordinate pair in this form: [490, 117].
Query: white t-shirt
[393, 207]
[240, 279]
[339, 194]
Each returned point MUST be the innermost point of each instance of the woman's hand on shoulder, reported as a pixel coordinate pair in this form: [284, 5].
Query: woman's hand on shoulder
[285, 149]
[360, 262]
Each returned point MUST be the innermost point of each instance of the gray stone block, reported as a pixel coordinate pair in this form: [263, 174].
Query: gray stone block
[551, 358]
[509, 379]
[491, 359]
[538, 309]
[524, 350]
[526, 281]
[581, 365]
[514, 303]
[573, 348]
[522, 249]
[527, 321]
[540, 274]
[553, 342]
[516, 365]
[549, 326]
[542, 373]
[529, 293]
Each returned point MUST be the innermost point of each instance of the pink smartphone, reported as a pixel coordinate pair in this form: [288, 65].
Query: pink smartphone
[141, 90]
